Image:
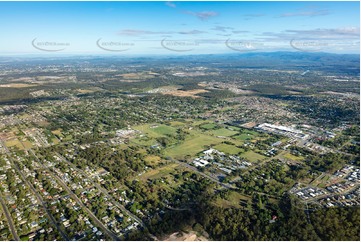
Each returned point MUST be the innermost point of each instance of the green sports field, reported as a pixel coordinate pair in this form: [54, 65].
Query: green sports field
[154, 130]
[228, 149]
[223, 132]
[193, 144]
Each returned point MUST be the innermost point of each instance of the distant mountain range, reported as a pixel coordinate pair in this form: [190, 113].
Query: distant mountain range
[316, 61]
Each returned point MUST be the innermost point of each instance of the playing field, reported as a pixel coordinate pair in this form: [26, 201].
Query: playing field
[194, 144]
[223, 132]
[228, 149]
[155, 131]
[244, 137]
[144, 141]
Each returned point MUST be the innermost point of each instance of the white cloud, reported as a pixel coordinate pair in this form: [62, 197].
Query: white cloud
[202, 15]
[310, 13]
[192, 32]
[137, 32]
[171, 4]
[221, 28]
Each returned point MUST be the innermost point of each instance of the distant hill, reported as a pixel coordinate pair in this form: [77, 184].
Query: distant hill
[341, 64]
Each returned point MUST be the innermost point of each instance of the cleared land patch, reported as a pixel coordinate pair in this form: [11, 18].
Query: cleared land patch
[252, 156]
[223, 132]
[244, 137]
[208, 126]
[234, 200]
[228, 149]
[18, 85]
[152, 160]
[293, 157]
[175, 91]
[155, 131]
[159, 172]
[14, 142]
[27, 144]
[192, 145]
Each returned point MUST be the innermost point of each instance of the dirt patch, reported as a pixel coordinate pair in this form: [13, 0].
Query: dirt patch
[190, 93]
[91, 90]
[175, 91]
[138, 76]
[18, 85]
[7, 136]
[181, 236]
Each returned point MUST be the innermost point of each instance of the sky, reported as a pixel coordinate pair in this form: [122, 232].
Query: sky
[162, 28]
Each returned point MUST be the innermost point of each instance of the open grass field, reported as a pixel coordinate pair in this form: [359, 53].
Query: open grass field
[24, 116]
[159, 172]
[177, 124]
[89, 90]
[144, 141]
[293, 157]
[208, 126]
[228, 149]
[233, 128]
[68, 137]
[163, 130]
[43, 123]
[18, 85]
[123, 146]
[244, 137]
[223, 132]
[175, 90]
[194, 144]
[234, 200]
[8, 135]
[14, 142]
[196, 122]
[322, 181]
[251, 132]
[27, 144]
[140, 75]
[155, 131]
[252, 156]
[57, 132]
[84, 91]
[189, 93]
[152, 160]
[55, 141]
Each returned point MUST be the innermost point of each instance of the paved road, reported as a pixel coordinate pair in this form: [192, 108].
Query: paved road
[10, 220]
[333, 194]
[90, 213]
[41, 201]
[228, 186]
[225, 185]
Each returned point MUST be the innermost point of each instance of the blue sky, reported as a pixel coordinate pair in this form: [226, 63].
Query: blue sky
[135, 28]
